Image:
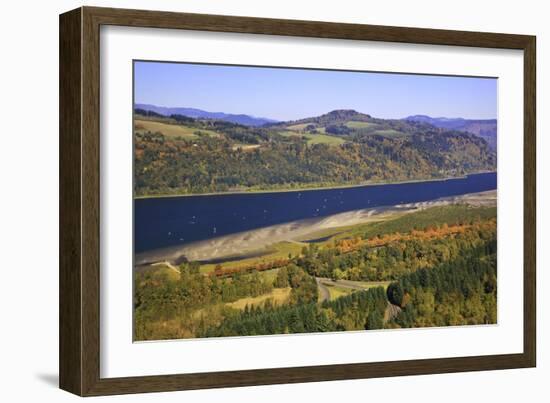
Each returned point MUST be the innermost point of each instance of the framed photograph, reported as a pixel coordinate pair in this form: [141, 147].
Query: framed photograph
[249, 201]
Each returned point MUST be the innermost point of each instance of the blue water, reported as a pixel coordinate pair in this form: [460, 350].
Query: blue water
[164, 222]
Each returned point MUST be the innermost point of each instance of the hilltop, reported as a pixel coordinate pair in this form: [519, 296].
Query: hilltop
[178, 154]
[333, 117]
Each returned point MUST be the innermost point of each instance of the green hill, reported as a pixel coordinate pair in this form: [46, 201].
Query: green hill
[182, 155]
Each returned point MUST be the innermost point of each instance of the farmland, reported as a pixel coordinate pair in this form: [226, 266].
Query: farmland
[170, 130]
[317, 138]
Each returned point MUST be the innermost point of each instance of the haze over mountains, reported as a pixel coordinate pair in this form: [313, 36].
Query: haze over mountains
[484, 128]
[241, 119]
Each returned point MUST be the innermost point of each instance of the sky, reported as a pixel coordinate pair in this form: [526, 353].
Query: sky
[290, 94]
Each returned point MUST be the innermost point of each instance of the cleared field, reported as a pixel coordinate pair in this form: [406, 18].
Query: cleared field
[360, 125]
[278, 297]
[373, 284]
[339, 288]
[245, 147]
[336, 292]
[300, 126]
[170, 130]
[315, 138]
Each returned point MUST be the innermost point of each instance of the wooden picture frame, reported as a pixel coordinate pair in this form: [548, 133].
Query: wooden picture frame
[79, 346]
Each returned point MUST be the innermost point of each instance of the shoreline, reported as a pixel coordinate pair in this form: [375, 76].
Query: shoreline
[259, 191]
[248, 242]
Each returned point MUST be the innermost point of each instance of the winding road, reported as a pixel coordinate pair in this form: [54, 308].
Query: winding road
[324, 294]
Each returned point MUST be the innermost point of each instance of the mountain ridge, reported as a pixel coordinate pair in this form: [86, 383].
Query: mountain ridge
[195, 113]
[484, 128]
[342, 147]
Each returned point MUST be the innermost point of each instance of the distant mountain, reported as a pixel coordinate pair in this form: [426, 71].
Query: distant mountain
[241, 119]
[484, 128]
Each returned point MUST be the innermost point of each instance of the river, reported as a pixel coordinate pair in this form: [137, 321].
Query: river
[172, 221]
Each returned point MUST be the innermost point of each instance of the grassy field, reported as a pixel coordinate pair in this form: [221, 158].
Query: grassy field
[360, 125]
[373, 284]
[278, 297]
[245, 147]
[315, 138]
[170, 130]
[300, 126]
[336, 291]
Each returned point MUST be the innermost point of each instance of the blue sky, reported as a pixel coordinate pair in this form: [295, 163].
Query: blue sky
[289, 94]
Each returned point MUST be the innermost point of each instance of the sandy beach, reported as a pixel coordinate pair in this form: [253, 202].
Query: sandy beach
[250, 242]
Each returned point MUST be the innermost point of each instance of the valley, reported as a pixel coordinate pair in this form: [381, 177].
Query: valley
[370, 275]
[338, 222]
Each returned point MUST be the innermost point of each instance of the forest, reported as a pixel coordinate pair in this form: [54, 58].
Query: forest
[336, 149]
[433, 267]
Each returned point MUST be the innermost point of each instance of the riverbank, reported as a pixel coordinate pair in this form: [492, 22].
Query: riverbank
[261, 239]
[308, 189]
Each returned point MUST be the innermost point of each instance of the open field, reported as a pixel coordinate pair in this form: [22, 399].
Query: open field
[336, 291]
[332, 289]
[360, 125]
[245, 147]
[278, 296]
[315, 138]
[300, 126]
[170, 130]
[373, 284]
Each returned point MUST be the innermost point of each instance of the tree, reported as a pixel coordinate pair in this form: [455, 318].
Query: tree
[395, 294]
[281, 281]
[375, 320]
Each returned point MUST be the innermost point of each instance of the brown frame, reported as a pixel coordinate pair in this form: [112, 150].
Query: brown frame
[79, 201]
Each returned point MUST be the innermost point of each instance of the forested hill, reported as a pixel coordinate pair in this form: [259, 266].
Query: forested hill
[177, 154]
[338, 116]
[484, 128]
